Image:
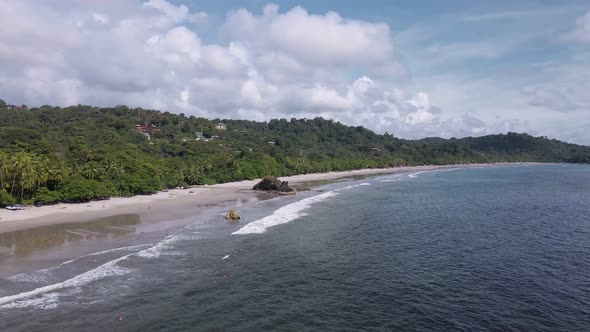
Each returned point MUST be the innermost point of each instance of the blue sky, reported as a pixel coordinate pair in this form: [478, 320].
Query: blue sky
[411, 68]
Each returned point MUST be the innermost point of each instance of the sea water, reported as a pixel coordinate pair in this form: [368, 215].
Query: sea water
[479, 249]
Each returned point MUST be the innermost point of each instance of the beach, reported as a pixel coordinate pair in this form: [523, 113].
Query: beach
[40, 237]
[173, 203]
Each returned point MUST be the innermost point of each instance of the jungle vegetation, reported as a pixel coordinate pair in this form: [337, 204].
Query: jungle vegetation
[81, 153]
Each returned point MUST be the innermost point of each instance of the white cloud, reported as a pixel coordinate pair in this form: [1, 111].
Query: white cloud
[581, 31]
[313, 39]
[276, 64]
[567, 91]
[100, 18]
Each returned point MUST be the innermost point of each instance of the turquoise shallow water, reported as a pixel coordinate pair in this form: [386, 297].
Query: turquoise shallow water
[486, 249]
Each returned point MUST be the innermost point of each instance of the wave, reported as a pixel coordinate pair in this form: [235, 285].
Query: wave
[107, 269]
[166, 244]
[106, 252]
[46, 297]
[41, 275]
[354, 186]
[415, 174]
[284, 215]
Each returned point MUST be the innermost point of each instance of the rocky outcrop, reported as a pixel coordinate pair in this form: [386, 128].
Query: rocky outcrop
[273, 185]
[232, 216]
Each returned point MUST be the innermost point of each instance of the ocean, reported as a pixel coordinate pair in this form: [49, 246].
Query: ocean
[502, 248]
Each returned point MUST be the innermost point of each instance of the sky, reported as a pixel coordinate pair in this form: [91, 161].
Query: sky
[410, 68]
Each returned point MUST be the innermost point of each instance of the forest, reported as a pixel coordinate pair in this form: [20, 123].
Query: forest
[81, 153]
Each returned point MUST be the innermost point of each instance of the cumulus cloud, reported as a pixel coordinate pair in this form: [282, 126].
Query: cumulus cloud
[289, 63]
[581, 31]
[566, 92]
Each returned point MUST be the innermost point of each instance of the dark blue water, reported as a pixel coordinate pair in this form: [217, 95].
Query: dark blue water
[487, 249]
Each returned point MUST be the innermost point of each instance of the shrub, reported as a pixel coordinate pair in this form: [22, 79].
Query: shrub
[78, 189]
[47, 196]
[131, 184]
[6, 198]
[206, 181]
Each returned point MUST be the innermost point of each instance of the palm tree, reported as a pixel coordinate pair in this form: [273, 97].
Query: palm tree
[208, 166]
[21, 163]
[91, 170]
[192, 174]
[113, 170]
[27, 181]
[4, 167]
[57, 174]
[43, 169]
[236, 170]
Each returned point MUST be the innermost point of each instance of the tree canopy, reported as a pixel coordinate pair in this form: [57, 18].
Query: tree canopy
[81, 153]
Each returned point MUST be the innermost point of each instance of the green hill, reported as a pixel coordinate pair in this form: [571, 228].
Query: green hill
[80, 152]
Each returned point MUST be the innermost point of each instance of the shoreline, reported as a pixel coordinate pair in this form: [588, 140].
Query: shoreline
[82, 229]
[169, 204]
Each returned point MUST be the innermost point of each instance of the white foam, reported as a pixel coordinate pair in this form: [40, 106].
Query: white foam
[354, 186]
[129, 248]
[47, 296]
[284, 215]
[163, 247]
[107, 269]
[45, 301]
[415, 174]
[41, 275]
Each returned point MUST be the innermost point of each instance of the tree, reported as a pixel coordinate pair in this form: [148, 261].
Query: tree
[92, 170]
[113, 170]
[43, 171]
[27, 181]
[79, 189]
[6, 198]
[47, 196]
[65, 149]
[4, 167]
[22, 164]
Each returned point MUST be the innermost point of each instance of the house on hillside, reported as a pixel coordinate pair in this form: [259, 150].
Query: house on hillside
[147, 131]
[15, 107]
[220, 126]
[198, 135]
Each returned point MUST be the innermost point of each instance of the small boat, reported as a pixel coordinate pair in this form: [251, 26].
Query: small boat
[16, 207]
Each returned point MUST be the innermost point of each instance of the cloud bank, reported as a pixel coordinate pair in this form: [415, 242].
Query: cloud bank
[278, 63]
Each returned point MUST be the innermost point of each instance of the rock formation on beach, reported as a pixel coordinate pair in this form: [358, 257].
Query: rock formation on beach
[273, 185]
[232, 216]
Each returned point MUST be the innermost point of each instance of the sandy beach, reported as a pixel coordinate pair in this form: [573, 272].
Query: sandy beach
[174, 203]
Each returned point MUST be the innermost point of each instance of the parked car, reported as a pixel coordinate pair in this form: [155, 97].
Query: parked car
[16, 207]
[39, 203]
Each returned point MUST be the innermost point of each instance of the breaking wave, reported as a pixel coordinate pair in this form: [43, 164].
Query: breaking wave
[284, 215]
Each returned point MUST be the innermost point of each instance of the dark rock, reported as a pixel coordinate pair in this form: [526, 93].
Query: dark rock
[273, 185]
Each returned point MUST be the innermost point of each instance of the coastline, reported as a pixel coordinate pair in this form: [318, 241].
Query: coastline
[177, 203]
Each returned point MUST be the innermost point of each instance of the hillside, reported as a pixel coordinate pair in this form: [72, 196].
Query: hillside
[80, 153]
